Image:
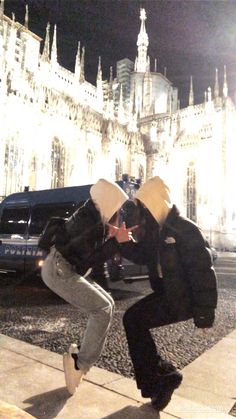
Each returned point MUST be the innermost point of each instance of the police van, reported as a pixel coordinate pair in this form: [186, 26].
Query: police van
[23, 217]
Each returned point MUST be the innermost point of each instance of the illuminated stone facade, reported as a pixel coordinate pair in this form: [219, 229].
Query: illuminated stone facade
[56, 128]
[59, 130]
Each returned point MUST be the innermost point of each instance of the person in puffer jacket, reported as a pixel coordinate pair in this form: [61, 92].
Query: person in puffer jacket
[81, 245]
[183, 280]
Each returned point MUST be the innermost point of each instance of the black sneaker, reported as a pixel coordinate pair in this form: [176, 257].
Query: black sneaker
[170, 380]
[166, 386]
[162, 400]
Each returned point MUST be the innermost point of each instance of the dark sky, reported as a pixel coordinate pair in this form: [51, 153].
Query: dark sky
[186, 36]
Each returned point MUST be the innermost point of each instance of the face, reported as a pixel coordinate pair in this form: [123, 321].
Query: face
[133, 214]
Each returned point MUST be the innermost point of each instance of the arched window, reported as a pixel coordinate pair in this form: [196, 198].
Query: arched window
[90, 161]
[191, 192]
[58, 164]
[118, 170]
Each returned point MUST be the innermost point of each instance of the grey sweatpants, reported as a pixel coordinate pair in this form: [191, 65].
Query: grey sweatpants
[60, 276]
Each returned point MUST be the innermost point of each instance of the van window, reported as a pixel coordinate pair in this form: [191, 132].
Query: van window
[42, 213]
[14, 220]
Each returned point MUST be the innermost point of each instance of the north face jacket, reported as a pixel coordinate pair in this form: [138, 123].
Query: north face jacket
[180, 266]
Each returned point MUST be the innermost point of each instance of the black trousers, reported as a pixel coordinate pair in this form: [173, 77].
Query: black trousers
[148, 313]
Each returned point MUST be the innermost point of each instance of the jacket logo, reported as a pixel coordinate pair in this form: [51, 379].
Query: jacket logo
[170, 240]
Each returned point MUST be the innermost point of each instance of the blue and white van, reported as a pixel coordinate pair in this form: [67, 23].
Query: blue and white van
[23, 217]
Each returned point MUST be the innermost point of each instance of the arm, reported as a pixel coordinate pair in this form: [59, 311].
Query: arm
[199, 273]
[88, 250]
[145, 250]
[88, 256]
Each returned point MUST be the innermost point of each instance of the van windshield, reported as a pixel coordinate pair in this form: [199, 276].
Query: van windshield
[14, 220]
[42, 213]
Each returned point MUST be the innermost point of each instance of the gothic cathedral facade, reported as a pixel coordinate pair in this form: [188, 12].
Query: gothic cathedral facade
[57, 129]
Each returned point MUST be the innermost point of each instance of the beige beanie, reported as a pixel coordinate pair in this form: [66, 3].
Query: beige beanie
[155, 195]
[108, 198]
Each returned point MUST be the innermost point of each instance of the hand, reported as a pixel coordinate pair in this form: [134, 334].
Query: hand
[125, 234]
[112, 230]
[122, 234]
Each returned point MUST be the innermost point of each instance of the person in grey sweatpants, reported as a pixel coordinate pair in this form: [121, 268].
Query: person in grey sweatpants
[81, 245]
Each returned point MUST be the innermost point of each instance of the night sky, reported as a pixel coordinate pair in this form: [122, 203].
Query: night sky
[186, 36]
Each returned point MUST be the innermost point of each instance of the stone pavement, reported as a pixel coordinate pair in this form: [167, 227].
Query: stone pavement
[32, 386]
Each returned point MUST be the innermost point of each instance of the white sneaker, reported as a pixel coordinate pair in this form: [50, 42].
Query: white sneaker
[73, 376]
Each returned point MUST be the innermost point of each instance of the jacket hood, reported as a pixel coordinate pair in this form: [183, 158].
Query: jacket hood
[108, 198]
[155, 195]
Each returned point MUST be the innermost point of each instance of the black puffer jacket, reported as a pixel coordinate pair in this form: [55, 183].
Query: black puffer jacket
[188, 278]
[83, 244]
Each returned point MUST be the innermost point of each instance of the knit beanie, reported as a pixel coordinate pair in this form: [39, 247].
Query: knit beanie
[155, 195]
[108, 198]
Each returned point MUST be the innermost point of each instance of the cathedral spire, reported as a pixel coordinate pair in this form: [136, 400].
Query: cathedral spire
[26, 16]
[110, 94]
[99, 73]
[99, 83]
[77, 63]
[216, 88]
[82, 77]
[191, 93]
[110, 101]
[142, 44]
[225, 84]
[54, 45]
[46, 48]
[209, 96]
